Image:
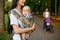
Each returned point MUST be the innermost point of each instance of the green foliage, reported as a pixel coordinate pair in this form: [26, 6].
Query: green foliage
[6, 8]
[7, 4]
[4, 36]
[6, 21]
[34, 4]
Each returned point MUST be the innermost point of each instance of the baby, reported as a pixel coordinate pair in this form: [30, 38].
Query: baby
[27, 20]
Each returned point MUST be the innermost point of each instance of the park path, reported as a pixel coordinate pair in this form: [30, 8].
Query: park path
[40, 34]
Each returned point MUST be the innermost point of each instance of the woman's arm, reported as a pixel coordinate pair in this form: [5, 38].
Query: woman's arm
[17, 29]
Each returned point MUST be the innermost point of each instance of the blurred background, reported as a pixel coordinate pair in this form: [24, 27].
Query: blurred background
[37, 8]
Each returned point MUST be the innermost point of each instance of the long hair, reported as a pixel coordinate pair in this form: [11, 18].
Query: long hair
[14, 4]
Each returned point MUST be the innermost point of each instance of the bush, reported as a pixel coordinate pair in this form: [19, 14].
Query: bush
[6, 21]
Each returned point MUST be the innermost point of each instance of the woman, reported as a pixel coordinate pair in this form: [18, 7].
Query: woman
[17, 4]
[46, 15]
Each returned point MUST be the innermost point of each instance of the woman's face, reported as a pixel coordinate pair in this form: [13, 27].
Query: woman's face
[46, 9]
[21, 2]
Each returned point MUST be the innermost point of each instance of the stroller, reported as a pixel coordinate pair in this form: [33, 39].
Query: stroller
[47, 24]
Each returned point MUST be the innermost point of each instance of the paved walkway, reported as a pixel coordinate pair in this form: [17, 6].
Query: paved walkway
[40, 34]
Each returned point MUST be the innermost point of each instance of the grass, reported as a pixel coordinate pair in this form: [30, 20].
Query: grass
[4, 36]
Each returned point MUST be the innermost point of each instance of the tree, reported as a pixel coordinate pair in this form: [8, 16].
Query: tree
[7, 5]
[34, 4]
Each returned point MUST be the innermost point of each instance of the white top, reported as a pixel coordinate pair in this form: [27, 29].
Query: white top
[14, 20]
[46, 14]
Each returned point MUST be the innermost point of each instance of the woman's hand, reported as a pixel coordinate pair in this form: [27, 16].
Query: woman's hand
[34, 26]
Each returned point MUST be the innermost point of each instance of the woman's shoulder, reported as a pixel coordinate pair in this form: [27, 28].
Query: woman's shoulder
[11, 11]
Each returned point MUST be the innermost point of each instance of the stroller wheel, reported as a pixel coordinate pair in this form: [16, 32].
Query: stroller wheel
[48, 29]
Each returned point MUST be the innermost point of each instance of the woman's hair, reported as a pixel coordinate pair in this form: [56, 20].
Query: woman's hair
[14, 4]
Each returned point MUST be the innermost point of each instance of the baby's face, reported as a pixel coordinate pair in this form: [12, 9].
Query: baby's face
[26, 11]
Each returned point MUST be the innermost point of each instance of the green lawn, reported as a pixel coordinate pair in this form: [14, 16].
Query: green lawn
[4, 36]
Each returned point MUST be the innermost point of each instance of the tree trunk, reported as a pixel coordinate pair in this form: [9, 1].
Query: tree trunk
[59, 8]
[1, 15]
